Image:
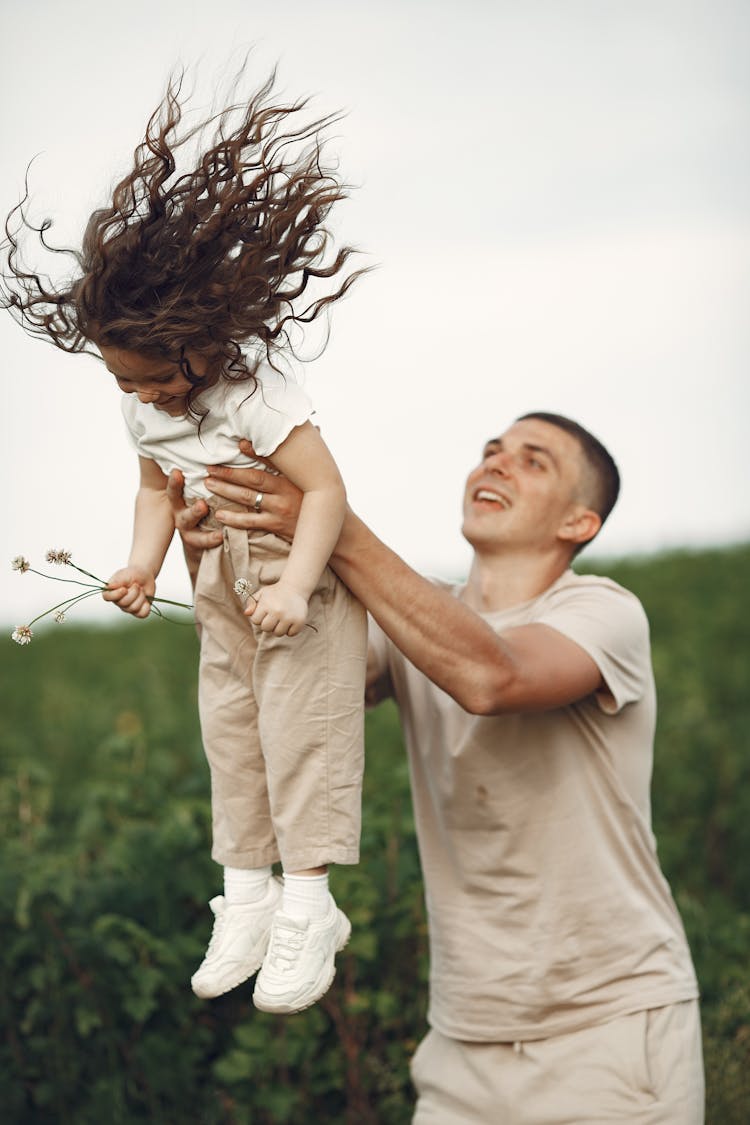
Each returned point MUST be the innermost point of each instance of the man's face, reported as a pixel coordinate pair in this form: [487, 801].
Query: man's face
[525, 488]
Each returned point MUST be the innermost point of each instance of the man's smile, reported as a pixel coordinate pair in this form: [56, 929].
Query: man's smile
[490, 496]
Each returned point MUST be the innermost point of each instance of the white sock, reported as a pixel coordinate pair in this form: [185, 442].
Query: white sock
[243, 886]
[305, 896]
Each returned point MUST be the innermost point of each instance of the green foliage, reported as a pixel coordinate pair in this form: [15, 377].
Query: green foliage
[104, 877]
[105, 873]
[697, 603]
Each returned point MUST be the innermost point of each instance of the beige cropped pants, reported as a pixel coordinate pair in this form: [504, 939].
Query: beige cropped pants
[281, 717]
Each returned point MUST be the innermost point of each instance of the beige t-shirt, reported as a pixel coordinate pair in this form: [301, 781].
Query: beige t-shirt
[547, 908]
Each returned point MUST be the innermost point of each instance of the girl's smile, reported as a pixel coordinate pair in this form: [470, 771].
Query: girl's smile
[154, 379]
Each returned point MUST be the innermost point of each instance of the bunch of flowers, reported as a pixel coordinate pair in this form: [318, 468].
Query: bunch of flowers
[22, 634]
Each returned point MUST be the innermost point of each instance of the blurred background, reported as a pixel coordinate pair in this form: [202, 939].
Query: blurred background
[555, 196]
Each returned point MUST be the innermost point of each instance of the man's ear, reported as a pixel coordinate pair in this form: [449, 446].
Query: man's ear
[580, 525]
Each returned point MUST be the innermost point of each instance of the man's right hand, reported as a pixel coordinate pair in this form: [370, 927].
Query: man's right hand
[188, 516]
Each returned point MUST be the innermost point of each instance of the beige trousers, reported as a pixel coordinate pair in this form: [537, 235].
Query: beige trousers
[281, 717]
[643, 1069]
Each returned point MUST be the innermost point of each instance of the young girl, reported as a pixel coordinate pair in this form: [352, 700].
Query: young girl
[186, 287]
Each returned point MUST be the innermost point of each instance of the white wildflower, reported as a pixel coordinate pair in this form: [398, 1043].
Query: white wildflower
[20, 563]
[242, 587]
[62, 557]
[22, 635]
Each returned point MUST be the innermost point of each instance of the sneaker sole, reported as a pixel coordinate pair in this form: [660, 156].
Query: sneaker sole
[248, 969]
[268, 1004]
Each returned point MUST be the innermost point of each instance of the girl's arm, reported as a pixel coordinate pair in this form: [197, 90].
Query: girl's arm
[132, 587]
[305, 459]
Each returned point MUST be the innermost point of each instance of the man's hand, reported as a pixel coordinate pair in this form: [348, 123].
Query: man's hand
[278, 609]
[186, 520]
[131, 589]
[188, 516]
[276, 510]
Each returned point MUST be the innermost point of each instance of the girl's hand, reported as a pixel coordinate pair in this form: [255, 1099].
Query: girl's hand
[130, 589]
[278, 609]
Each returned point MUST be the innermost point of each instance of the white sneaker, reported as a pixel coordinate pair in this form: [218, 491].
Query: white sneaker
[299, 966]
[238, 943]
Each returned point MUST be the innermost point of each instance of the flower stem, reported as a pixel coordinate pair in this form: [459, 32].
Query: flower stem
[67, 604]
[167, 601]
[75, 581]
[87, 573]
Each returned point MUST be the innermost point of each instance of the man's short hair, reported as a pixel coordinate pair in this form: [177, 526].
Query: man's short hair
[605, 476]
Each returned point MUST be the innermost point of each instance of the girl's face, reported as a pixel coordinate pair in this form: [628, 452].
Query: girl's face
[155, 380]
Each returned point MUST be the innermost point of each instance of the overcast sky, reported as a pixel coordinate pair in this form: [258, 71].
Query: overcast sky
[555, 193]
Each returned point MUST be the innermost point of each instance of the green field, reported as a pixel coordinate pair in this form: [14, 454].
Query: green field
[106, 873]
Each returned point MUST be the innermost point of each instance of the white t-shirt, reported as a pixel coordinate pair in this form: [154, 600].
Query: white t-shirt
[265, 414]
[547, 907]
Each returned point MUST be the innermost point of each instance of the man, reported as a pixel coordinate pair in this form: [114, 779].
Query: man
[561, 985]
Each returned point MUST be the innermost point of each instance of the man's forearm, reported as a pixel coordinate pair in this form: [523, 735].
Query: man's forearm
[445, 639]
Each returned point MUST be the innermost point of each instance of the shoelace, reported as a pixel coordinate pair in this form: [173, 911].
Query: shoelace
[286, 946]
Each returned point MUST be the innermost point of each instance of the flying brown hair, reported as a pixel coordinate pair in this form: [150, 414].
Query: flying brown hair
[207, 260]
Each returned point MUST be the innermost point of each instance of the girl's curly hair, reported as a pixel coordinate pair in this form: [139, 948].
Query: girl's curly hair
[206, 260]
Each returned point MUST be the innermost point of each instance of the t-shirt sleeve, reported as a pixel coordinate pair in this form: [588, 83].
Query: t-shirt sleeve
[134, 429]
[269, 414]
[610, 624]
